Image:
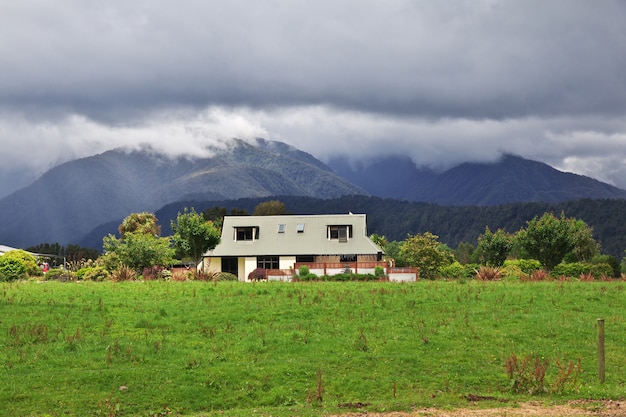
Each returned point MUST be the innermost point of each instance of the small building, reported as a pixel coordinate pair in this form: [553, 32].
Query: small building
[327, 244]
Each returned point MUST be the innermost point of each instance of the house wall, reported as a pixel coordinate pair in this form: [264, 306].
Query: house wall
[286, 262]
[211, 265]
[246, 265]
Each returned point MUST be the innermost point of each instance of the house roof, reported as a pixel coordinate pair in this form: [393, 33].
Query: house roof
[4, 249]
[312, 240]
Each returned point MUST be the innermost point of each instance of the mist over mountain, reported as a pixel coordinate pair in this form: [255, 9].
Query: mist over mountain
[73, 198]
[83, 200]
[512, 179]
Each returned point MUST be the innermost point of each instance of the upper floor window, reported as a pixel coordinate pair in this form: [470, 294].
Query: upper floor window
[300, 228]
[247, 233]
[341, 232]
[281, 228]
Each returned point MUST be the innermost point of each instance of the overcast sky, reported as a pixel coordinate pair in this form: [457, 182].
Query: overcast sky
[442, 81]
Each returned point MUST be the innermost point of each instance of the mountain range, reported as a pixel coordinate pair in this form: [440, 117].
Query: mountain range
[511, 179]
[72, 200]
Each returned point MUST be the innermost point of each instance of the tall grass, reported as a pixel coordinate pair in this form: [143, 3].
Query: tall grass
[152, 348]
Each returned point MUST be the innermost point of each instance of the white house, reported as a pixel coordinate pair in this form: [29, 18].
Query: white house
[4, 249]
[328, 244]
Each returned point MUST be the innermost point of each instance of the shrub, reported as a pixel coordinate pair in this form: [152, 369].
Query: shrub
[303, 270]
[258, 274]
[60, 274]
[576, 269]
[527, 266]
[454, 270]
[97, 273]
[226, 276]
[156, 272]
[309, 277]
[602, 270]
[573, 269]
[28, 260]
[528, 375]
[11, 269]
[379, 271]
[123, 273]
[539, 275]
[80, 274]
[488, 273]
[470, 270]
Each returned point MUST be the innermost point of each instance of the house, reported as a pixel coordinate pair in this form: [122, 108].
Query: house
[4, 249]
[327, 244]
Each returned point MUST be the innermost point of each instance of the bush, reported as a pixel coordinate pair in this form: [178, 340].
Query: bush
[123, 273]
[527, 266]
[309, 277]
[454, 270]
[226, 276]
[156, 272]
[28, 260]
[97, 273]
[80, 274]
[258, 274]
[60, 274]
[576, 269]
[11, 269]
[379, 271]
[303, 270]
[488, 273]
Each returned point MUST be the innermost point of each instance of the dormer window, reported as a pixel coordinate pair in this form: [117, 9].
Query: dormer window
[340, 232]
[247, 233]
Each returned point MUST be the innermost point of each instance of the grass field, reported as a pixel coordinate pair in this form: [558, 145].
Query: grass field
[197, 348]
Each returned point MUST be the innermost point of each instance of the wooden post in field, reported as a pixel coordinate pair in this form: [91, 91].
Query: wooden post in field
[601, 358]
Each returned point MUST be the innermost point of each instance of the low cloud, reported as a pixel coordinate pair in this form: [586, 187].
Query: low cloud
[327, 132]
[443, 82]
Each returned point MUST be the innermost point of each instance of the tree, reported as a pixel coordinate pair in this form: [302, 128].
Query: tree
[139, 245]
[549, 239]
[585, 246]
[379, 240]
[193, 235]
[270, 208]
[216, 214]
[140, 250]
[494, 248]
[465, 253]
[70, 253]
[425, 252]
[143, 223]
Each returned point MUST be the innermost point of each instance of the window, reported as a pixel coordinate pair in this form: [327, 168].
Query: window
[347, 258]
[305, 258]
[267, 262]
[281, 228]
[340, 233]
[300, 228]
[230, 264]
[246, 233]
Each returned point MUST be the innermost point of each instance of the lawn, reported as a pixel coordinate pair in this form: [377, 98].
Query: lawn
[197, 348]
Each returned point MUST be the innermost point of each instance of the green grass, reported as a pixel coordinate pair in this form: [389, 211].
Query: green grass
[294, 348]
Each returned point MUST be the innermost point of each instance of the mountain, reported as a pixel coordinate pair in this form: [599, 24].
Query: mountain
[396, 218]
[511, 179]
[73, 198]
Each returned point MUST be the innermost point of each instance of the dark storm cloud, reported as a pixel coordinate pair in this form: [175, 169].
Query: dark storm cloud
[457, 59]
[442, 81]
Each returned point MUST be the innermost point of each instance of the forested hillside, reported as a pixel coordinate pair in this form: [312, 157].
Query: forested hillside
[395, 219]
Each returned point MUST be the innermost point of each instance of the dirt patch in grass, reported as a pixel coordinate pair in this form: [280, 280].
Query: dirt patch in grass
[578, 408]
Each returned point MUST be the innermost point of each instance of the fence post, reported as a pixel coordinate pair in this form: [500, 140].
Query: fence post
[601, 357]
